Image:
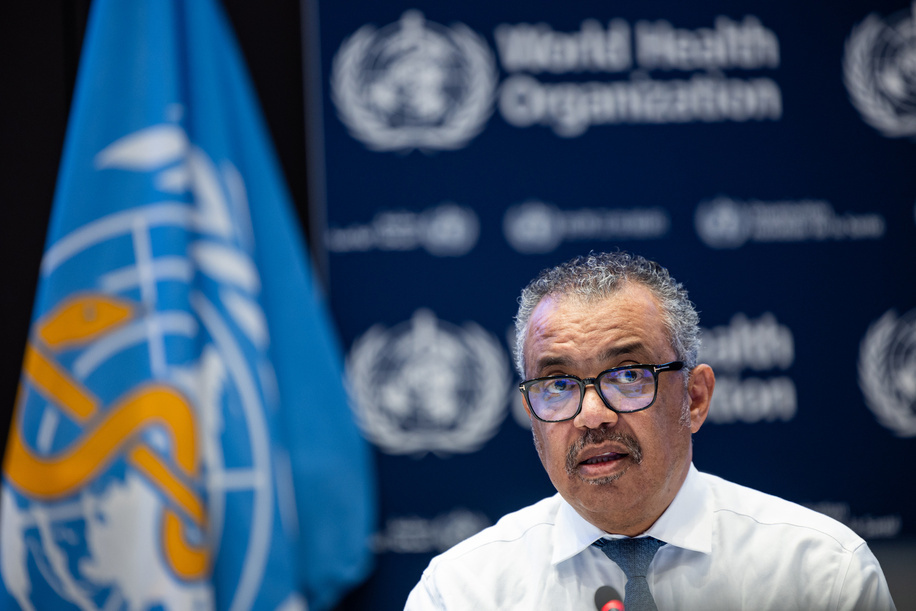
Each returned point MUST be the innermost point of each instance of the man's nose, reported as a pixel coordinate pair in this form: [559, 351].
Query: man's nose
[594, 412]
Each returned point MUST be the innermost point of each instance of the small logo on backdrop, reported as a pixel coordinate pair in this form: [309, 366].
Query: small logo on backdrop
[414, 84]
[535, 227]
[879, 69]
[728, 223]
[416, 535]
[887, 371]
[426, 385]
[866, 526]
[446, 230]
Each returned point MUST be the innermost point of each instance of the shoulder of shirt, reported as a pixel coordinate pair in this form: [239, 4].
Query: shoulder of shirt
[511, 528]
[741, 502]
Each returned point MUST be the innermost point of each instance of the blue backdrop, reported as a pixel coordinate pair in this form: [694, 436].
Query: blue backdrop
[762, 151]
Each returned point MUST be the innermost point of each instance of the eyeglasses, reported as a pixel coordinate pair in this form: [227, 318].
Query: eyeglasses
[623, 389]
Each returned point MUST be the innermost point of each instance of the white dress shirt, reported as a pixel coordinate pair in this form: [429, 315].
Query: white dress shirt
[728, 547]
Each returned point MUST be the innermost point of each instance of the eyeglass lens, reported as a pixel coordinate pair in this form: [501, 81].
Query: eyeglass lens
[626, 390]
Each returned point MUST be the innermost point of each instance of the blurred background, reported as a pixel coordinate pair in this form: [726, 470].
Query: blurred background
[439, 155]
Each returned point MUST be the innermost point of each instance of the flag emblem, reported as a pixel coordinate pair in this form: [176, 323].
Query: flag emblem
[181, 399]
[91, 438]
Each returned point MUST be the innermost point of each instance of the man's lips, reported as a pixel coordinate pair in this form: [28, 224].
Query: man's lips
[603, 458]
[600, 448]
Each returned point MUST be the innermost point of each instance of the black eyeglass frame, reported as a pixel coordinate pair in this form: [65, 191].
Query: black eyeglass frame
[583, 384]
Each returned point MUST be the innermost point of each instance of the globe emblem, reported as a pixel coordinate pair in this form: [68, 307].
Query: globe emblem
[153, 399]
[414, 76]
[722, 223]
[887, 371]
[424, 385]
[879, 70]
[414, 84]
[449, 230]
[533, 227]
[428, 386]
[895, 61]
[903, 360]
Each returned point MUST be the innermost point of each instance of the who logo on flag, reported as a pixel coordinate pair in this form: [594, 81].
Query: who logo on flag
[181, 438]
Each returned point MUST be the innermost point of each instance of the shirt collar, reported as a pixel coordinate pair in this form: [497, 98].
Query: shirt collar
[687, 523]
[572, 533]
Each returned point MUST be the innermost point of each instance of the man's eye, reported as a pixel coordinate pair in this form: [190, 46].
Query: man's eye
[626, 376]
[559, 385]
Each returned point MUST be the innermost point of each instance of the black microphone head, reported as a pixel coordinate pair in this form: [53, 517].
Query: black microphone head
[608, 599]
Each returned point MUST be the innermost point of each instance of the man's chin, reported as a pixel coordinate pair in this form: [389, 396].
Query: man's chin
[599, 480]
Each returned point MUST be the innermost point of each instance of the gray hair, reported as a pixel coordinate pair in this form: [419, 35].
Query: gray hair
[598, 276]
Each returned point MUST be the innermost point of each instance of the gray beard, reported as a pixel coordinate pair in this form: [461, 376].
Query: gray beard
[597, 437]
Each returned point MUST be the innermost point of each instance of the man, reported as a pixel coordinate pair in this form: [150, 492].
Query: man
[607, 345]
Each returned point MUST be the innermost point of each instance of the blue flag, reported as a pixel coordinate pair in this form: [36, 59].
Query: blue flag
[181, 437]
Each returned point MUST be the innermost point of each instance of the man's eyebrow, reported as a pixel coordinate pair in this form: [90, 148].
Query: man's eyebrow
[550, 361]
[608, 354]
[615, 351]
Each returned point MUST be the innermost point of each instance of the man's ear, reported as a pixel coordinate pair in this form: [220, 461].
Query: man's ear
[699, 390]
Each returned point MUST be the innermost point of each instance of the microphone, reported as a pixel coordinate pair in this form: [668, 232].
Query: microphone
[608, 599]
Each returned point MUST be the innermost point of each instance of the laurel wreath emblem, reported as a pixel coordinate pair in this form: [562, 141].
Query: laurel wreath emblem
[481, 414]
[878, 377]
[875, 104]
[461, 124]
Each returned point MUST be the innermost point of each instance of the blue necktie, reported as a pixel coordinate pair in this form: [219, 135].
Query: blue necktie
[634, 557]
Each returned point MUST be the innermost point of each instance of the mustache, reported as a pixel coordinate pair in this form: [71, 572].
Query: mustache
[594, 437]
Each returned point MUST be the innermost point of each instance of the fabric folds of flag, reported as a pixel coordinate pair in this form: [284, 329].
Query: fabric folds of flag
[181, 437]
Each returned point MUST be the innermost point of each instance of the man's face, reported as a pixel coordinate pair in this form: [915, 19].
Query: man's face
[619, 471]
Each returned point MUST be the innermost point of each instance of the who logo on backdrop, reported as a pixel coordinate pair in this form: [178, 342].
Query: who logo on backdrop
[887, 371]
[426, 385]
[414, 84]
[879, 69]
